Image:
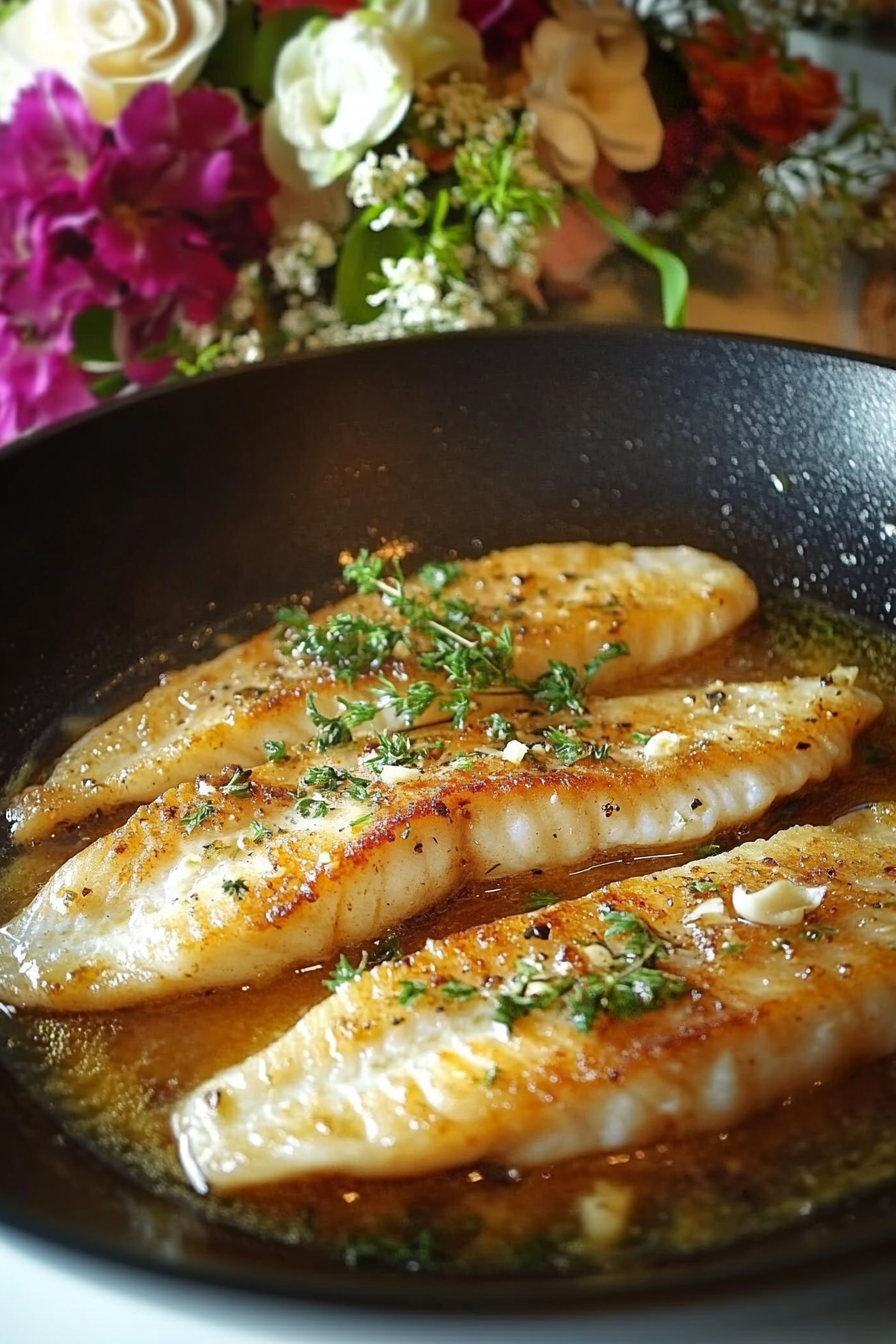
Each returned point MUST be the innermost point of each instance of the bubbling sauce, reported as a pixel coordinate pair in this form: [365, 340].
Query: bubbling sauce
[110, 1079]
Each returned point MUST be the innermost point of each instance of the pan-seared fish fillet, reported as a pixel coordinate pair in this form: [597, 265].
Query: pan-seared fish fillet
[645, 1011]
[562, 601]
[230, 878]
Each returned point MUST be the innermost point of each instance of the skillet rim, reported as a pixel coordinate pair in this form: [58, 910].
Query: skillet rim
[715, 1272]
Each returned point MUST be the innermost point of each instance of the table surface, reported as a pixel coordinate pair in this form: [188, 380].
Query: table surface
[51, 1295]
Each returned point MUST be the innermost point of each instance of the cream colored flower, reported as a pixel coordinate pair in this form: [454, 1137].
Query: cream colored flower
[435, 37]
[339, 88]
[109, 49]
[588, 92]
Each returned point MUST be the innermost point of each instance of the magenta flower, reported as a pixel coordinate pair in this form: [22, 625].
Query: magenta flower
[39, 383]
[150, 218]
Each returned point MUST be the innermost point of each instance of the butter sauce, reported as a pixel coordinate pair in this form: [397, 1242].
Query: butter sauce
[111, 1078]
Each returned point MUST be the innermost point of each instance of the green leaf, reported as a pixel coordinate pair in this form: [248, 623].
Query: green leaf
[92, 329]
[358, 273]
[231, 61]
[671, 269]
[272, 35]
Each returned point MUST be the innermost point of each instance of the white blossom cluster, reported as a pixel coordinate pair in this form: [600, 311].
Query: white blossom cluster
[300, 254]
[508, 243]
[456, 111]
[393, 182]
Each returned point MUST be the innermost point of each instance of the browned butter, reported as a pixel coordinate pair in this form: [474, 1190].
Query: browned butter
[111, 1078]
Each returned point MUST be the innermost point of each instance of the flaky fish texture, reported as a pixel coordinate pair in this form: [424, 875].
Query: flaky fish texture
[241, 874]
[643, 1012]
[562, 601]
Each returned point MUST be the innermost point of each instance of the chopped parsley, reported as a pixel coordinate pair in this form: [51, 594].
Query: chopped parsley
[498, 728]
[539, 898]
[238, 784]
[703, 884]
[632, 983]
[393, 749]
[410, 991]
[457, 990]
[438, 574]
[562, 687]
[312, 805]
[258, 832]
[235, 886]
[568, 747]
[275, 751]
[344, 971]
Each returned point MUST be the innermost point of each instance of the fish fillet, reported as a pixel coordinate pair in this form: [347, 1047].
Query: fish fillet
[231, 877]
[563, 601]
[436, 1060]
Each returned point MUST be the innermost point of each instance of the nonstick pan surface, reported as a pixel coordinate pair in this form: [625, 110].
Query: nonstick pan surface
[142, 527]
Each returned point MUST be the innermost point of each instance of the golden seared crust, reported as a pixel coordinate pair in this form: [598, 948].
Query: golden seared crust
[561, 601]
[232, 877]
[382, 1080]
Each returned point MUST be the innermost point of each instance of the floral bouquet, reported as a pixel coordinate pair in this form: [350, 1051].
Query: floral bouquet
[189, 184]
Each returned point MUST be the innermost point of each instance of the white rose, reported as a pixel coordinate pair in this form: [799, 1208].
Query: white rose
[339, 88]
[434, 35]
[588, 92]
[109, 49]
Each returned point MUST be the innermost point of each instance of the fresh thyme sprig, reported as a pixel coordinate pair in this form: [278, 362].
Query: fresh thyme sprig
[562, 687]
[630, 984]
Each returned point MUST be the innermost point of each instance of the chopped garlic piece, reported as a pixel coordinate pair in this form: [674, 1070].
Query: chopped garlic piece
[324, 856]
[843, 676]
[514, 752]
[598, 956]
[662, 745]
[779, 904]
[604, 1214]
[713, 909]
[398, 774]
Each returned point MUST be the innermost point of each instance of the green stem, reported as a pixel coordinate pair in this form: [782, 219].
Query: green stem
[671, 269]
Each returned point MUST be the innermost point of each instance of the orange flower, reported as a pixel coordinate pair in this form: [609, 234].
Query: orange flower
[765, 99]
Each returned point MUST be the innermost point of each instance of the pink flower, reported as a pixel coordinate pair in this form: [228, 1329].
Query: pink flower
[39, 383]
[150, 218]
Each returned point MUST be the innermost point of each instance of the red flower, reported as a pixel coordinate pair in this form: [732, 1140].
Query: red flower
[504, 25]
[690, 146]
[754, 91]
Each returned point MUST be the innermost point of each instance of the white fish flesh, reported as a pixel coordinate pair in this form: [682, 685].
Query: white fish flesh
[233, 877]
[643, 1012]
[562, 601]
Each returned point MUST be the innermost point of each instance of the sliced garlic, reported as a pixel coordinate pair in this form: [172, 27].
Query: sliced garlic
[712, 909]
[663, 745]
[778, 905]
[598, 956]
[514, 752]
[845, 677]
[604, 1214]
[398, 774]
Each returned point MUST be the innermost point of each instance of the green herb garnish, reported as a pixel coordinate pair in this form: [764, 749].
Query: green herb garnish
[344, 971]
[238, 784]
[200, 813]
[410, 991]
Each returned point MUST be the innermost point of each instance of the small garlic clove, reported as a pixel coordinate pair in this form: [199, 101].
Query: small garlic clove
[663, 745]
[712, 910]
[779, 905]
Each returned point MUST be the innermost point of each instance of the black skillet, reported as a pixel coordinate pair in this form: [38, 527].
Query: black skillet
[175, 511]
